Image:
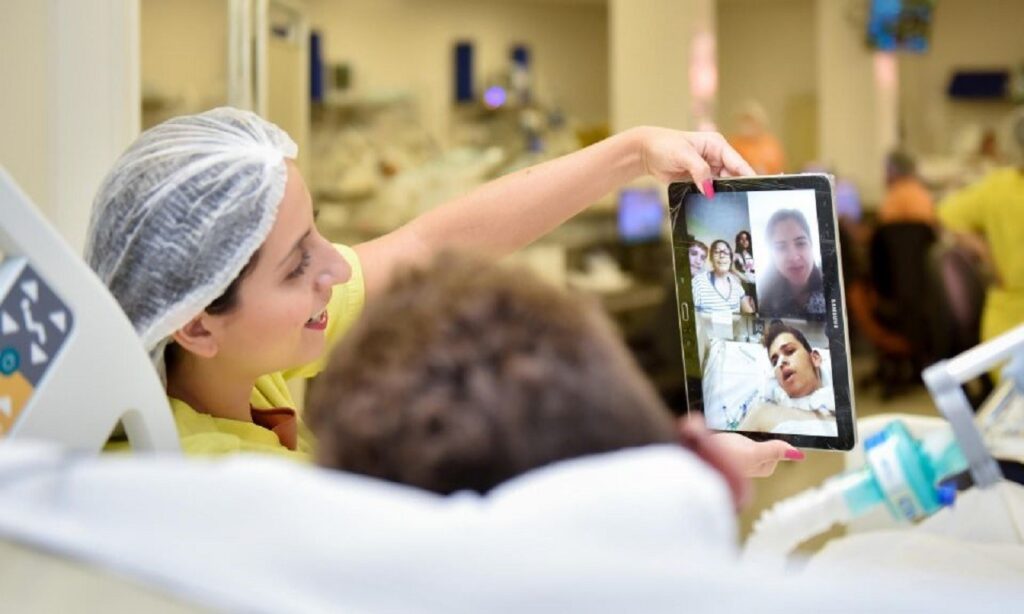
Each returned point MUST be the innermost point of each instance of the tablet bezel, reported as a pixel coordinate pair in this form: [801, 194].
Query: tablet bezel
[832, 274]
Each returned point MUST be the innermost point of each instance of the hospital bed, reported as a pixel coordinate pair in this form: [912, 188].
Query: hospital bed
[71, 366]
[647, 529]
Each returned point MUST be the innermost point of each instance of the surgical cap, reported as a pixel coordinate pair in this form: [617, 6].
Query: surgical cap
[181, 214]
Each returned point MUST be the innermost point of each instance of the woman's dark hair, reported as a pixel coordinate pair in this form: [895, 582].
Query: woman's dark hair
[786, 214]
[777, 298]
[737, 240]
[777, 328]
[466, 374]
[229, 299]
[225, 303]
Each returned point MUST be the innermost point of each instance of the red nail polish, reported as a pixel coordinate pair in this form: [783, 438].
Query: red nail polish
[794, 455]
[709, 188]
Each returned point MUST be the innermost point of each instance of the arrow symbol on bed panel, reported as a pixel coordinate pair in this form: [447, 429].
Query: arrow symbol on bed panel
[31, 288]
[7, 324]
[38, 356]
[30, 324]
[5, 406]
[59, 319]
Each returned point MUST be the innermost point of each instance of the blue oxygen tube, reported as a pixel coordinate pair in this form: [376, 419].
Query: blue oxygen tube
[902, 473]
[905, 473]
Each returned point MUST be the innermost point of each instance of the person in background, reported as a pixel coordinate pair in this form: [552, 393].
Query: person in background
[698, 254]
[467, 374]
[794, 287]
[906, 197]
[980, 154]
[743, 258]
[988, 149]
[720, 289]
[988, 217]
[754, 141]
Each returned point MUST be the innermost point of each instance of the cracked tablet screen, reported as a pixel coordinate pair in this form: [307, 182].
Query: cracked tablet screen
[761, 314]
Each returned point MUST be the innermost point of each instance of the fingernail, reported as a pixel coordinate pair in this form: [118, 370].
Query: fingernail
[794, 454]
[709, 188]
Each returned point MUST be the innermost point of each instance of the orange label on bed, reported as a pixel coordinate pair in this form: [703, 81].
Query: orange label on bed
[15, 391]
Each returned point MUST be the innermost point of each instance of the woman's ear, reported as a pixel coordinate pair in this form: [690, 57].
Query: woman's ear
[196, 338]
[816, 358]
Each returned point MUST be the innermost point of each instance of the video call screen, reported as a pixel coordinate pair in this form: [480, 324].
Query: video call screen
[760, 313]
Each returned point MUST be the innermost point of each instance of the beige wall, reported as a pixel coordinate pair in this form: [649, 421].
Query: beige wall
[407, 45]
[766, 52]
[24, 71]
[857, 101]
[184, 56]
[965, 34]
[69, 103]
[651, 48]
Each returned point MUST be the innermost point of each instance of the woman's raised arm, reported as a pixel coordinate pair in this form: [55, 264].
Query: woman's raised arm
[508, 213]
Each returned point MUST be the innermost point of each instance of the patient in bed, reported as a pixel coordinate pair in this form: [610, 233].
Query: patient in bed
[467, 374]
[801, 395]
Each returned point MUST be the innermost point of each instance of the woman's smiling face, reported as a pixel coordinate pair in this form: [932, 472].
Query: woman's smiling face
[744, 242]
[280, 316]
[721, 257]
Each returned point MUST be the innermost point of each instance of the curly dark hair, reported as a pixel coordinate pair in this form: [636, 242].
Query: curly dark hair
[466, 374]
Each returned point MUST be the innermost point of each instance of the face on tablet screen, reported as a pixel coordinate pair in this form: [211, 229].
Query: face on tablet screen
[759, 314]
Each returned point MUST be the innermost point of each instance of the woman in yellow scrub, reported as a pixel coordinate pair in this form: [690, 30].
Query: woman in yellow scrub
[204, 233]
[989, 216]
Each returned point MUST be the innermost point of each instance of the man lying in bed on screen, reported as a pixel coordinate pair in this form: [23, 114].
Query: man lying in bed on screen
[802, 393]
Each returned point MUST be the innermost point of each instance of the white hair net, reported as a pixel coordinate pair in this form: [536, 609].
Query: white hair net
[181, 214]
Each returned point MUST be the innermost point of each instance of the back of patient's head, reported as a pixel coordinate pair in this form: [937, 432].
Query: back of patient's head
[465, 374]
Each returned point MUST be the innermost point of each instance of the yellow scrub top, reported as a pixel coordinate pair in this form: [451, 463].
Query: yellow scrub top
[994, 208]
[202, 434]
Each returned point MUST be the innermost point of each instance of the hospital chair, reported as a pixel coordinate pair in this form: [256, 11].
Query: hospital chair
[900, 279]
[71, 365]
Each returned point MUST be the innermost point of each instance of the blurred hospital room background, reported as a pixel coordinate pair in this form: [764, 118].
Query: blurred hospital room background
[400, 105]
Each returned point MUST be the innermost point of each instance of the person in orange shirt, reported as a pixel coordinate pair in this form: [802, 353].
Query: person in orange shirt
[755, 142]
[906, 199]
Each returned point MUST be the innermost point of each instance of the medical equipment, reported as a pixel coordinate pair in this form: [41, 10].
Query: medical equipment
[71, 365]
[902, 473]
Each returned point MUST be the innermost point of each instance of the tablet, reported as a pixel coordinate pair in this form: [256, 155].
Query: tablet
[761, 310]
